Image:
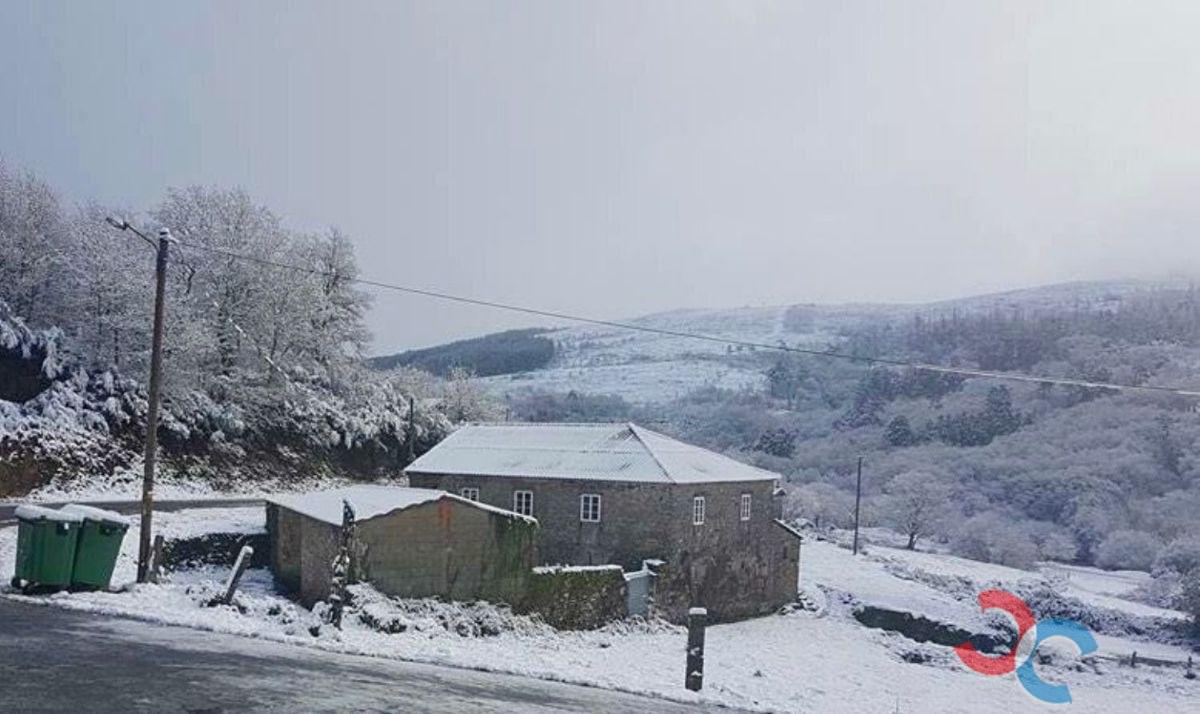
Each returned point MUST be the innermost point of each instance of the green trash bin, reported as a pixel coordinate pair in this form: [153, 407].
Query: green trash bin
[100, 538]
[46, 542]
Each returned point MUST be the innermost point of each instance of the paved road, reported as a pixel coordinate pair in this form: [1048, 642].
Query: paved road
[53, 659]
[8, 510]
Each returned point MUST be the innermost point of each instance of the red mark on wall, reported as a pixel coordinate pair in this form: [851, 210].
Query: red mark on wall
[445, 512]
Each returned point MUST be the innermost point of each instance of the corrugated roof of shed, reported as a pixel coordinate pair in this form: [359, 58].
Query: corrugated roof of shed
[604, 452]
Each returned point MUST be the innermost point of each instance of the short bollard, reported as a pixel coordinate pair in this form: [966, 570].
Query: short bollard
[697, 619]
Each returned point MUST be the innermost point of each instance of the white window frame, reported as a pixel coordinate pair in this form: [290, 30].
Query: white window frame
[698, 511]
[470, 493]
[746, 503]
[517, 495]
[586, 503]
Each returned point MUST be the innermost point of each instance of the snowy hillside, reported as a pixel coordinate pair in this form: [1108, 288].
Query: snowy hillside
[645, 368]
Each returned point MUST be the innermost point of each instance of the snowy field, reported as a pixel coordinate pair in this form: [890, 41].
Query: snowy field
[805, 661]
[646, 368]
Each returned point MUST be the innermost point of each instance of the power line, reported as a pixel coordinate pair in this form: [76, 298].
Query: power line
[883, 361]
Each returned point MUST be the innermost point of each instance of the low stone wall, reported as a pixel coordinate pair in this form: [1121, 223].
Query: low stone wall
[214, 549]
[576, 597]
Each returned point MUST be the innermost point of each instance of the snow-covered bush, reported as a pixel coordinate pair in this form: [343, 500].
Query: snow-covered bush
[820, 503]
[1181, 555]
[1189, 599]
[993, 537]
[1128, 550]
[1057, 546]
[435, 618]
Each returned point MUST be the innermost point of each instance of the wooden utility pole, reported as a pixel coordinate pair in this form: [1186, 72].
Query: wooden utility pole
[160, 290]
[412, 429]
[857, 503]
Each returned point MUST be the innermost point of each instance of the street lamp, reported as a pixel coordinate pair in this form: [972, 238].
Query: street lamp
[150, 454]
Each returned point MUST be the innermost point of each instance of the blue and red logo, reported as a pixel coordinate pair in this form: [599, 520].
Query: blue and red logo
[999, 665]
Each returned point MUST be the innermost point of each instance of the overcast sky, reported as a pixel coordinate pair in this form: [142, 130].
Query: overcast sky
[616, 158]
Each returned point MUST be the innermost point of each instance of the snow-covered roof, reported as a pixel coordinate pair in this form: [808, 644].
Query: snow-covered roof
[603, 452]
[372, 502]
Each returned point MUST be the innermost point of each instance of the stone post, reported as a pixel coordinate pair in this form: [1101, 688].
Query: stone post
[697, 619]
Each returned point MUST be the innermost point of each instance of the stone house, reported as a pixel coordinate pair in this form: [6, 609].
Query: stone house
[622, 494]
[411, 543]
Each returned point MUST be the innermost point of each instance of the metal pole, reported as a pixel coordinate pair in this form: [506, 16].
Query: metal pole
[160, 277]
[857, 502]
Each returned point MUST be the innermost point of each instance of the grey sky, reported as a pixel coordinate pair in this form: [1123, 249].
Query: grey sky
[621, 158]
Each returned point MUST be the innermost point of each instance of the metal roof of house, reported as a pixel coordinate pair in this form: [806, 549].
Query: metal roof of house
[603, 452]
[371, 502]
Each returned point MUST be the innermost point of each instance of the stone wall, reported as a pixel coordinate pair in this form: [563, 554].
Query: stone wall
[449, 549]
[443, 549]
[630, 528]
[284, 530]
[319, 543]
[576, 597]
[215, 549]
[734, 568]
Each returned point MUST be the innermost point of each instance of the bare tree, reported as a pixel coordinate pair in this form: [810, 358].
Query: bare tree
[916, 503]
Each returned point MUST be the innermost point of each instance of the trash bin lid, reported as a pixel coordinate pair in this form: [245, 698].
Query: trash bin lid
[98, 515]
[37, 513]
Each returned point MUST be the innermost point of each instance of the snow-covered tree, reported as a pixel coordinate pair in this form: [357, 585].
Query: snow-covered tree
[916, 504]
[1128, 550]
[1189, 599]
[821, 503]
[464, 400]
[33, 247]
[1181, 555]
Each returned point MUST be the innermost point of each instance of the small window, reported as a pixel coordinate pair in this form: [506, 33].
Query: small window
[745, 506]
[589, 508]
[471, 494]
[523, 502]
[698, 511]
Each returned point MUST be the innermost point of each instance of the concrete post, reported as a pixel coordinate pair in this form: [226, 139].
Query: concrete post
[697, 620]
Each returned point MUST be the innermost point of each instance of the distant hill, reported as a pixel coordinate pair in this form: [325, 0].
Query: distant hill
[500, 353]
[646, 368]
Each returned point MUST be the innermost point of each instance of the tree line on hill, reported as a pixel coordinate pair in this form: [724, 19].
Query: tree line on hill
[498, 353]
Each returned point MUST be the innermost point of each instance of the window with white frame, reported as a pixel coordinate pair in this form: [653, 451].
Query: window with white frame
[523, 502]
[471, 494]
[589, 508]
[698, 511]
[745, 507]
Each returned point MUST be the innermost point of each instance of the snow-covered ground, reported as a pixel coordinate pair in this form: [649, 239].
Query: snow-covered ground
[944, 588]
[802, 661]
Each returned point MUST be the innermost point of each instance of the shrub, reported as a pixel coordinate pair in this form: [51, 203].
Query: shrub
[1182, 555]
[1189, 600]
[1127, 550]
